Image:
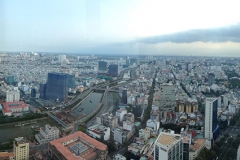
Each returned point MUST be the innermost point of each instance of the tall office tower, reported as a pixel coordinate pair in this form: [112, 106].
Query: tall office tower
[211, 127]
[42, 90]
[113, 70]
[10, 80]
[168, 146]
[167, 96]
[71, 81]
[21, 149]
[211, 79]
[124, 96]
[102, 66]
[33, 92]
[62, 58]
[57, 86]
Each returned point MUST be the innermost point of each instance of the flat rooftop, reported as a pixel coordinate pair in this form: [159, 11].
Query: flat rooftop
[198, 143]
[167, 139]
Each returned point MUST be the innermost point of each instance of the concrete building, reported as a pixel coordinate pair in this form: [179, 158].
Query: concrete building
[128, 126]
[77, 146]
[145, 133]
[47, 133]
[12, 96]
[154, 124]
[196, 147]
[211, 127]
[20, 149]
[119, 157]
[128, 117]
[108, 120]
[6, 156]
[120, 136]
[120, 113]
[62, 58]
[167, 95]
[99, 131]
[168, 147]
[11, 108]
[211, 79]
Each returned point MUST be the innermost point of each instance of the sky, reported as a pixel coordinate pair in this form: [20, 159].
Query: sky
[165, 27]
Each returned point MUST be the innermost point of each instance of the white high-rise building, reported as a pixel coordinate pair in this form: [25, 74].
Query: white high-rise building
[12, 96]
[21, 149]
[62, 58]
[211, 128]
[168, 146]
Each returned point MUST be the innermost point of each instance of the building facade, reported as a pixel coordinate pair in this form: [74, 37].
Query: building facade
[47, 133]
[56, 87]
[113, 70]
[21, 149]
[77, 146]
[168, 147]
[211, 131]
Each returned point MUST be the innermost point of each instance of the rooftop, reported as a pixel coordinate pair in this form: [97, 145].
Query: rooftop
[197, 143]
[67, 150]
[167, 139]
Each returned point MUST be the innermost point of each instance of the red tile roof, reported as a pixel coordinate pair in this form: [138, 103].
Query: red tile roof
[58, 143]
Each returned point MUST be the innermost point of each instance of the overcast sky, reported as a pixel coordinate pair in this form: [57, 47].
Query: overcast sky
[176, 27]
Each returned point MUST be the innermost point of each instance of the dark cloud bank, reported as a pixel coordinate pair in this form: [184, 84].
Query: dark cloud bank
[223, 34]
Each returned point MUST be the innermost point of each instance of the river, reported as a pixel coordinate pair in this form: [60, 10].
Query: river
[12, 131]
[89, 104]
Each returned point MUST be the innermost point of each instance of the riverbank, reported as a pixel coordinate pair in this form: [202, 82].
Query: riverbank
[14, 123]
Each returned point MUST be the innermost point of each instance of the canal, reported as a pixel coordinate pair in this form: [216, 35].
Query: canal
[12, 131]
[89, 104]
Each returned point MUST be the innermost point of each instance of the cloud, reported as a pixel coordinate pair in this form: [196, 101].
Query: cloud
[223, 34]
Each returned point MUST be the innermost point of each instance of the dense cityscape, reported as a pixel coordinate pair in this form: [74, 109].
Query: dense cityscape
[66, 106]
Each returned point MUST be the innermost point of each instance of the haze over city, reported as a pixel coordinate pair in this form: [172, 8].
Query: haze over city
[121, 27]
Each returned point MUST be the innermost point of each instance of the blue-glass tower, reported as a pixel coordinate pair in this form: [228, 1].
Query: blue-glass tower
[56, 86]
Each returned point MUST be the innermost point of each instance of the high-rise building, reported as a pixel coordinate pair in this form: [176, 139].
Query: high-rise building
[124, 96]
[168, 146]
[211, 79]
[21, 149]
[62, 58]
[102, 66]
[71, 81]
[56, 87]
[33, 92]
[12, 96]
[113, 70]
[77, 146]
[211, 127]
[167, 95]
[10, 80]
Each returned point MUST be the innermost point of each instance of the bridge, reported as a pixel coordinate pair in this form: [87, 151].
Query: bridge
[57, 119]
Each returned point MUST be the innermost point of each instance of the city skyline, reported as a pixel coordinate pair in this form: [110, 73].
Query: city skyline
[121, 27]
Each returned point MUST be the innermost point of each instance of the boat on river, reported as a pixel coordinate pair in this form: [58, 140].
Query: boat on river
[80, 109]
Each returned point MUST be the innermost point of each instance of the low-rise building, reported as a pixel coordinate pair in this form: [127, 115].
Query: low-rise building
[108, 120]
[77, 146]
[119, 157]
[99, 131]
[196, 148]
[10, 108]
[145, 133]
[154, 124]
[6, 156]
[47, 133]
